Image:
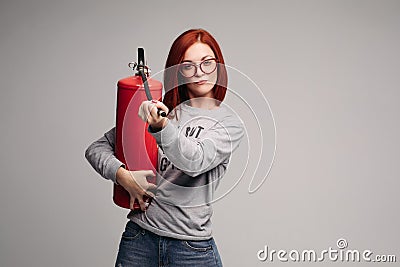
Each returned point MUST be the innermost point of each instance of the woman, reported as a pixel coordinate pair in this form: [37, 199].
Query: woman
[195, 141]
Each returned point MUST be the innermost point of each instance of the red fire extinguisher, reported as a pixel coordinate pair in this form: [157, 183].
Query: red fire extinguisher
[134, 146]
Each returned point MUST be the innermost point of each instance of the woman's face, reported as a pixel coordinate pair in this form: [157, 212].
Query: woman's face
[201, 84]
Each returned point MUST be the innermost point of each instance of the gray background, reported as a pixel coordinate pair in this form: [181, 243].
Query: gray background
[329, 69]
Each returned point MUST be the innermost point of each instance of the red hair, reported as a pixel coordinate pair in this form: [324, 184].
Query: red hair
[176, 91]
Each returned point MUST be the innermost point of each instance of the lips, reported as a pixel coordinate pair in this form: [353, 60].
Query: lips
[201, 82]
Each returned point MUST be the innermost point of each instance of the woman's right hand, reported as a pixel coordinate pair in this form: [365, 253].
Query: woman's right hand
[136, 184]
[148, 112]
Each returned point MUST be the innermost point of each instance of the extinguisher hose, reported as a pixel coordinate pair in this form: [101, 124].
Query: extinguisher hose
[160, 112]
[141, 66]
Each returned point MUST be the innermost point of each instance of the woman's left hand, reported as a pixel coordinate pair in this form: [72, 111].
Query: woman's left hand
[148, 112]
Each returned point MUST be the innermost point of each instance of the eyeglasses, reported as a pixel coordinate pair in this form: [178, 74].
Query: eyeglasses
[189, 69]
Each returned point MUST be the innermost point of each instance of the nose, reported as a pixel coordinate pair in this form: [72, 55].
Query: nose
[199, 72]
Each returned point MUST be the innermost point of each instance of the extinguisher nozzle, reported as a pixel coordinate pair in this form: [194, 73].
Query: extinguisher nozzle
[161, 113]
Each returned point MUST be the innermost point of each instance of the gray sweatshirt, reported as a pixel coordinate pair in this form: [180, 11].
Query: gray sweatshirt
[194, 151]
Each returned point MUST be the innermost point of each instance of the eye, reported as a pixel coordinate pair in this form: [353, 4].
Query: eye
[187, 66]
[207, 62]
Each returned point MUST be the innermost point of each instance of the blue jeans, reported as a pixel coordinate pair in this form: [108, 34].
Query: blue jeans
[139, 247]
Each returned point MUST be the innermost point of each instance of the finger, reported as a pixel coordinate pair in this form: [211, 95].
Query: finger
[162, 106]
[150, 194]
[151, 106]
[136, 184]
[151, 189]
[155, 113]
[149, 173]
[144, 111]
[151, 112]
[131, 203]
[142, 203]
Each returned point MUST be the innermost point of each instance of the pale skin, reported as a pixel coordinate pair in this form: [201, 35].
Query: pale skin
[201, 96]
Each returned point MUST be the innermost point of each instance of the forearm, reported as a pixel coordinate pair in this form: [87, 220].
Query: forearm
[196, 156]
[100, 155]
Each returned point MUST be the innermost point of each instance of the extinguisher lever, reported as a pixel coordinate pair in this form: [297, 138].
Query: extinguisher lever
[141, 56]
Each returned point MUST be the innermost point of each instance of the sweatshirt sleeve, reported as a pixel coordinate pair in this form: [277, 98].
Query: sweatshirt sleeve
[100, 155]
[197, 156]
